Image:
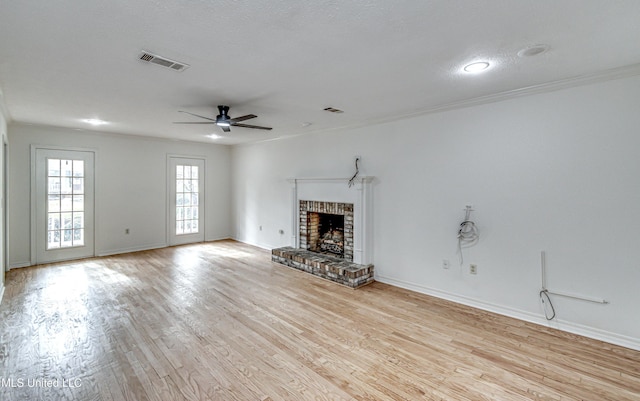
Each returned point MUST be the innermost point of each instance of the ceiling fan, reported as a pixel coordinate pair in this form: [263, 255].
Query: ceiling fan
[223, 120]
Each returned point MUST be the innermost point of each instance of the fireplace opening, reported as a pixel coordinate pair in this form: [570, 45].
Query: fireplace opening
[327, 227]
[326, 233]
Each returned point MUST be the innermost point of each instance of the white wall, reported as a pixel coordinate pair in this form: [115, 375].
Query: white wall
[556, 172]
[130, 187]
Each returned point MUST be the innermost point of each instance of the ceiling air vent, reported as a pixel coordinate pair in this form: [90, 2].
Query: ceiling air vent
[163, 61]
[333, 110]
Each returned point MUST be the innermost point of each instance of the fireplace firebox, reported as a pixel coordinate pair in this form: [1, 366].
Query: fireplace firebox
[327, 227]
[326, 233]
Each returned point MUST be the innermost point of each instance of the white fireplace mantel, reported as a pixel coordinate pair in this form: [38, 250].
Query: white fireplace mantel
[338, 190]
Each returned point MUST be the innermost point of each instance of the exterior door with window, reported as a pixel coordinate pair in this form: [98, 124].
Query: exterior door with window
[186, 197]
[64, 201]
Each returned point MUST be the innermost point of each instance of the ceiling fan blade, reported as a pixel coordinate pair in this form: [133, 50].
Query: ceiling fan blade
[203, 122]
[206, 118]
[252, 126]
[241, 118]
[225, 128]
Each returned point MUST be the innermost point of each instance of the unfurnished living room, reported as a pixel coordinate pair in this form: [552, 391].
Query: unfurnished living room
[287, 200]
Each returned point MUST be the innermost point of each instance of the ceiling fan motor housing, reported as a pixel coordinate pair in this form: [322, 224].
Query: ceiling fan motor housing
[223, 117]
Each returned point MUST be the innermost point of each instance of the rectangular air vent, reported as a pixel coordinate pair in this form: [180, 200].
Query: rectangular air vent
[333, 110]
[162, 61]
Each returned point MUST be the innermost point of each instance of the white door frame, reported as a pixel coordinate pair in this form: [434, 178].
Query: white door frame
[33, 195]
[170, 193]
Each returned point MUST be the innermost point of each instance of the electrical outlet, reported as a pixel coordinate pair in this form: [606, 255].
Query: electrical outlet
[260, 228]
[473, 269]
[445, 263]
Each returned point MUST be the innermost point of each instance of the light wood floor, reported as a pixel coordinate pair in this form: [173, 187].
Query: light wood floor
[220, 321]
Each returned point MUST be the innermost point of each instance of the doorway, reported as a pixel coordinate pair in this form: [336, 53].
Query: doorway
[186, 200]
[64, 205]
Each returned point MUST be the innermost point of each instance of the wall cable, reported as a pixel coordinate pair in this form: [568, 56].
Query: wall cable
[467, 233]
[352, 180]
[545, 294]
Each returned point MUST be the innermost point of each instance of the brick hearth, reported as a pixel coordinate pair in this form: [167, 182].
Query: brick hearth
[335, 269]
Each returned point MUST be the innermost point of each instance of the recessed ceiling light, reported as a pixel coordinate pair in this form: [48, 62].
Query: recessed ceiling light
[533, 50]
[94, 121]
[306, 124]
[477, 66]
[213, 136]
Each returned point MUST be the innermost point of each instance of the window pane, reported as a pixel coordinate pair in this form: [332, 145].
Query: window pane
[78, 237]
[78, 185]
[67, 238]
[66, 203]
[66, 185]
[67, 168]
[54, 203]
[53, 185]
[78, 203]
[78, 168]
[53, 222]
[67, 220]
[187, 199]
[78, 220]
[53, 167]
[53, 239]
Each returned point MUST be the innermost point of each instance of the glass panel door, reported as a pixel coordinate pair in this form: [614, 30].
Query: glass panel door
[64, 205]
[186, 197]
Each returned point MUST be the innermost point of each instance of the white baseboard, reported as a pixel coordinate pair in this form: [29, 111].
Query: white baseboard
[262, 246]
[570, 327]
[216, 239]
[19, 265]
[132, 249]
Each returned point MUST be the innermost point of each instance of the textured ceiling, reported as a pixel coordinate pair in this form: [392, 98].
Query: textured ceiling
[66, 60]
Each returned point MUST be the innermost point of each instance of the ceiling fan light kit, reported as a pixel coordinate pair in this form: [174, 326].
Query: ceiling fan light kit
[223, 120]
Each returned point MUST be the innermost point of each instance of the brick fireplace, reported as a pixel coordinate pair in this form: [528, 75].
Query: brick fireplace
[331, 230]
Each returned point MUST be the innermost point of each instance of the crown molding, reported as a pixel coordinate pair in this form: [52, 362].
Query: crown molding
[580, 80]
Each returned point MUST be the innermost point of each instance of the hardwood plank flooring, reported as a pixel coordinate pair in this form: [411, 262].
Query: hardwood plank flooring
[220, 321]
